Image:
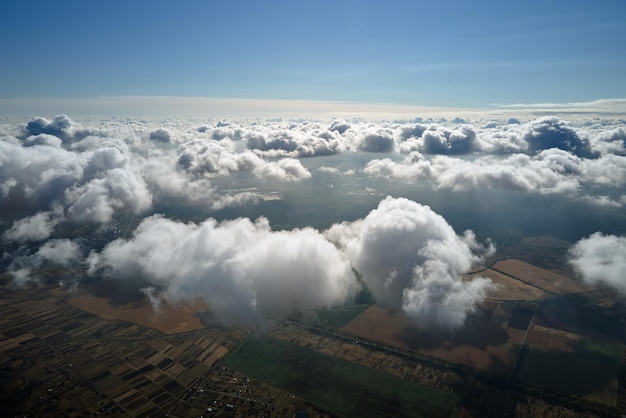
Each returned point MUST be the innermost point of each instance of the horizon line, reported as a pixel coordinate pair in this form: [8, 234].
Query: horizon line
[203, 106]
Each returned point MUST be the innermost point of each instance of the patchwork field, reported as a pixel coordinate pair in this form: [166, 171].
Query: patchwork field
[336, 385]
[538, 327]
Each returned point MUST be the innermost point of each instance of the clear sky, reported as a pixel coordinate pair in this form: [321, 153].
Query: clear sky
[443, 53]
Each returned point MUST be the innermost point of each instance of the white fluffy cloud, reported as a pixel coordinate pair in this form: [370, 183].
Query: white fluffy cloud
[287, 169]
[411, 259]
[34, 228]
[97, 200]
[242, 269]
[548, 172]
[295, 141]
[601, 259]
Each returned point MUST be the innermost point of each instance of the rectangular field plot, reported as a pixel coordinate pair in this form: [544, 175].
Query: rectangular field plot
[508, 288]
[337, 385]
[590, 370]
[541, 278]
[484, 342]
[336, 318]
[520, 318]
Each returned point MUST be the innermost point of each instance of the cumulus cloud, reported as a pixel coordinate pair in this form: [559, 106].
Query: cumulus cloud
[459, 141]
[35, 228]
[287, 169]
[412, 260]
[552, 132]
[340, 126]
[409, 257]
[205, 157]
[97, 200]
[611, 141]
[242, 269]
[59, 251]
[161, 135]
[61, 126]
[599, 259]
[41, 173]
[295, 141]
[43, 139]
[376, 140]
[551, 171]
[412, 131]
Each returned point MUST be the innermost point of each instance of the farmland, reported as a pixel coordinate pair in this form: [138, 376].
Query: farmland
[335, 318]
[537, 327]
[485, 342]
[509, 288]
[337, 385]
[168, 319]
[58, 360]
[594, 375]
[532, 348]
[538, 277]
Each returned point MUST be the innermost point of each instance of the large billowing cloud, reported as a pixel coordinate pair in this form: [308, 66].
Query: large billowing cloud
[375, 140]
[601, 259]
[436, 140]
[295, 140]
[203, 158]
[548, 172]
[409, 257]
[61, 126]
[552, 132]
[161, 135]
[242, 269]
[412, 260]
[97, 200]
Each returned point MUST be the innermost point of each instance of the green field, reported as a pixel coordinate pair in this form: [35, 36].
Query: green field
[336, 318]
[336, 385]
[590, 371]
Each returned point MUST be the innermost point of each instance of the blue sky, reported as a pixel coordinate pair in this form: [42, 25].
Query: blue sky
[452, 53]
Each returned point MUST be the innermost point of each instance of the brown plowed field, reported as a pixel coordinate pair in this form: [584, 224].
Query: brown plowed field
[170, 320]
[539, 277]
[483, 343]
[508, 288]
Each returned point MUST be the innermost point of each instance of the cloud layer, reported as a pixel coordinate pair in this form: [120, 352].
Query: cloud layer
[67, 186]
